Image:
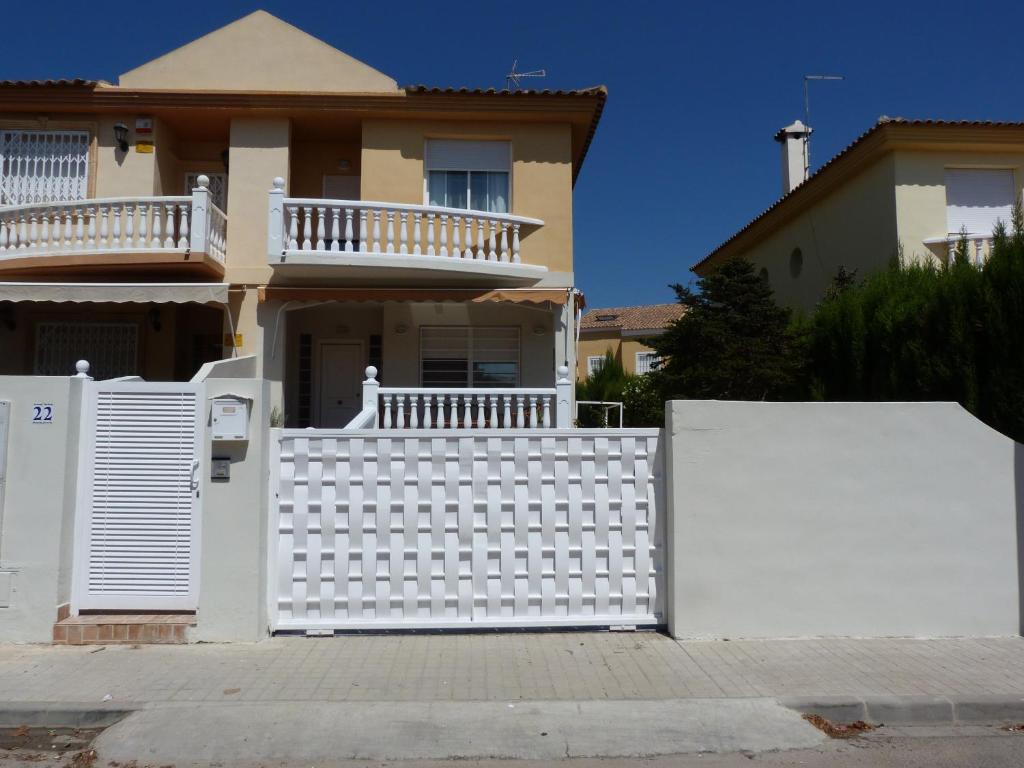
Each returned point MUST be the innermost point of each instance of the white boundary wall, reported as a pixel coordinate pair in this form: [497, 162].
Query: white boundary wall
[482, 528]
[841, 519]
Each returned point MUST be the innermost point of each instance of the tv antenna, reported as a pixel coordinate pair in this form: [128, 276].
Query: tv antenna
[513, 78]
[807, 116]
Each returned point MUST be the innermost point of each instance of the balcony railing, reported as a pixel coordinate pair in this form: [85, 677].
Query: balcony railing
[422, 233]
[185, 224]
[979, 247]
[466, 408]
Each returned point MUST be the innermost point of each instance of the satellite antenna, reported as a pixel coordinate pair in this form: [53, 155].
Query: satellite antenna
[512, 79]
[807, 116]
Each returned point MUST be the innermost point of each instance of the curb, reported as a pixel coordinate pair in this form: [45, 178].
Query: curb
[913, 710]
[49, 715]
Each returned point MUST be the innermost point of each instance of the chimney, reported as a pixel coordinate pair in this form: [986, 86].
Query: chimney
[793, 139]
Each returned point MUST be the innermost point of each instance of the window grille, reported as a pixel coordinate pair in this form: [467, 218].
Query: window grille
[43, 166]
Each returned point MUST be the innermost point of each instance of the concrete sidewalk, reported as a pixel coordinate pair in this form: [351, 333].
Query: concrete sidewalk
[510, 667]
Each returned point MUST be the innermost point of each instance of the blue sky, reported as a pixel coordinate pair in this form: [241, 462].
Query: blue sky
[684, 154]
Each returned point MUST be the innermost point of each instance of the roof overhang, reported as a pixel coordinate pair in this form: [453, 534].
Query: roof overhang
[552, 296]
[116, 293]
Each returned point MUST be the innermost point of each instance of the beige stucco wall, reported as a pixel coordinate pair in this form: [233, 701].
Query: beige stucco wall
[392, 170]
[921, 194]
[854, 226]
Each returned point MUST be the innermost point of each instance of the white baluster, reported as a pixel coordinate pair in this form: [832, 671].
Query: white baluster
[23, 232]
[335, 228]
[444, 234]
[129, 225]
[507, 402]
[320, 233]
[376, 230]
[115, 226]
[363, 245]
[979, 246]
[307, 228]
[533, 411]
[44, 228]
[68, 238]
[456, 237]
[390, 245]
[79, 228]
[467, 412]
[156, 233]
[427, 421]
[504, 241]
[348, 230]
[430, 234]
[546, 419]
[492, 245]
[4, 237]
[183, 222]
[403, 231]
[417, 220]
[169, 228]
[387, 411]
[493, 399]
[143, 225]
[520, 416]
[480, 252]
[293, 227]
[33, 229]
[441, 399]
[414, 411]
[400, 416]
[515, 243]
[480, 409]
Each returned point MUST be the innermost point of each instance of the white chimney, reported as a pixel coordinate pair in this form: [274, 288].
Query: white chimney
[793, 139]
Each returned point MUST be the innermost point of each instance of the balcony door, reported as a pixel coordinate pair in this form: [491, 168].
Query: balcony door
[43, 166]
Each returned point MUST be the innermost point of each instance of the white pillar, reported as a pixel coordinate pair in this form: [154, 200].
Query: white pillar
[563, 398]
[370, 388]
[200, 229]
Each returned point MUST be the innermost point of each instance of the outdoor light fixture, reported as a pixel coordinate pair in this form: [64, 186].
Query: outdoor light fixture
[401, 328]
[121, 136]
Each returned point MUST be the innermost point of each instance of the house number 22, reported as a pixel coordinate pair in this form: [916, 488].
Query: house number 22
[42, 413]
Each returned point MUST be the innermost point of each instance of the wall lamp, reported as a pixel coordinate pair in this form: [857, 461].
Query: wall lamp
[121, 136]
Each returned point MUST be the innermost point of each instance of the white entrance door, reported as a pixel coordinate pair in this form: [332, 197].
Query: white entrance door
[137, 521]
[341, 382]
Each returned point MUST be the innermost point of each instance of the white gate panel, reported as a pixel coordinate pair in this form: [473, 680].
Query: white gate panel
[536, 528]
[137, 534]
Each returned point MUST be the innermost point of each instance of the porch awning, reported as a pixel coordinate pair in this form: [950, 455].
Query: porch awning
[557, 296]
[117, 293]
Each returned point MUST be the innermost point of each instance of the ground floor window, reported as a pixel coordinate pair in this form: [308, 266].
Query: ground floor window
[646, 362]
[469, 356]
[112, 349]
[594, 364]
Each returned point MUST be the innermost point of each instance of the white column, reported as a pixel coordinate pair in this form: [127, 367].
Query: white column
[370, 389]
[199, 236]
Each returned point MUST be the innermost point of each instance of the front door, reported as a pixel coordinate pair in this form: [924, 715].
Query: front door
[341, 382]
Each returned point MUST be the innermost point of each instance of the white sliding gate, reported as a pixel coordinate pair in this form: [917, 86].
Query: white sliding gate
[433, 529]
[137, 521]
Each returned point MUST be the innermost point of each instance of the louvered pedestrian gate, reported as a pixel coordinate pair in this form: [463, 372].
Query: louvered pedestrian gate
[137, 520]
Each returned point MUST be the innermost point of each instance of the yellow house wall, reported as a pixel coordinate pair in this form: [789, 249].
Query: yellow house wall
[392, 170]
[854, 226]
[592, 345]
[921, 194]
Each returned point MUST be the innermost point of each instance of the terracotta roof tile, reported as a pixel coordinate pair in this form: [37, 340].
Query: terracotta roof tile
[882, 121]
[647, 316]
[51, 83]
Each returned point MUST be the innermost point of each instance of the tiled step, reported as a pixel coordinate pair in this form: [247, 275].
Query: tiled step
[114, 628]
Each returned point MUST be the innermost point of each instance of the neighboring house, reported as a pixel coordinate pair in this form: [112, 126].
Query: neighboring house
[904, 188]
[622, 331]
[294, 204]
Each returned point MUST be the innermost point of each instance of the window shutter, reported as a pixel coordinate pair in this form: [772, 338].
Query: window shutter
[460, 155]
[976, 199]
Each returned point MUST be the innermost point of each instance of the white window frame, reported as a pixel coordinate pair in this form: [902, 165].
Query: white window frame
[43, 191]
[466, 168]
[469, 351]
[594, 363]
[652, 358]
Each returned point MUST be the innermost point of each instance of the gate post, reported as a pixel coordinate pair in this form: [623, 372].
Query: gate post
[563, 398]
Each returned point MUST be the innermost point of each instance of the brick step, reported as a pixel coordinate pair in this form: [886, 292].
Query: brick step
[123, 628]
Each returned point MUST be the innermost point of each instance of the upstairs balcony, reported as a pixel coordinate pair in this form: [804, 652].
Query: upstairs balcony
[379, 240]
[187, 233]
[979, 246]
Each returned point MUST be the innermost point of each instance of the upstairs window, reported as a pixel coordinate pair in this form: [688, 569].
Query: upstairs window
[456, 356]
[43, 166]
[976, 199]
[594, 364]
[646, 362]
[474, 175]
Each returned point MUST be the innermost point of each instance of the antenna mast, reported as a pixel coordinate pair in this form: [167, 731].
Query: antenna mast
[512, 79]
[807, 116]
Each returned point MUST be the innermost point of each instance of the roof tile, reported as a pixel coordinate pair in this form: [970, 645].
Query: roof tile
[644, 317]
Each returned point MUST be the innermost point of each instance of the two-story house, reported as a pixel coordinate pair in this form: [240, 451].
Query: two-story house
[258, 192]
[623, 331]
[904, 189]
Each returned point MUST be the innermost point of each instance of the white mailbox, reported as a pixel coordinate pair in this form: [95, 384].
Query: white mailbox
[230, 419]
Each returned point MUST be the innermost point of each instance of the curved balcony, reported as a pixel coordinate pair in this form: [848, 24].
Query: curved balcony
[186, 232]
[380, 240]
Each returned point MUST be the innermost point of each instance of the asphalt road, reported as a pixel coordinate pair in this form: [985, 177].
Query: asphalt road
[919, 747]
